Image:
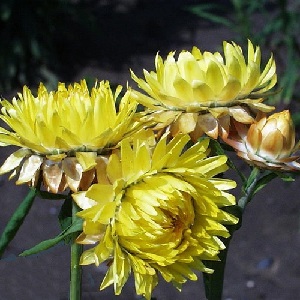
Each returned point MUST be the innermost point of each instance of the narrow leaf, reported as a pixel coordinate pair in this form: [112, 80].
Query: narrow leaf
[285, 177]
[214, 282]
[263, 181]
[253, 176]
[16, 220]
[44, 245]
[216, 147]
[203, 12]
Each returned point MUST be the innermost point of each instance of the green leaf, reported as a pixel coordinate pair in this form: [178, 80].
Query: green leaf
[216, 147]
[256, 181]
[263, 181]
[213, 283]
[16, 220]
[74, 227]
[285, 176]
[253, 177]
[204, 11]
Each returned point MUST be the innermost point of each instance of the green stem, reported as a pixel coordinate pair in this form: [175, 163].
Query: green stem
[249, 192]
[214, 282]
[76, 270]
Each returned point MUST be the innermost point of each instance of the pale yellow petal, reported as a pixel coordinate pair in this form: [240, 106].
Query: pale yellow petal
[214, 77]
[241, 114]
[29, 168]
[82, 201]
[230, 90]
[183, 90]
[185, 123]
[14, 160]
[101, 193]
[87, 160]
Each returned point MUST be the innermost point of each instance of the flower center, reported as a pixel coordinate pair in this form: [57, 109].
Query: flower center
[176, 226]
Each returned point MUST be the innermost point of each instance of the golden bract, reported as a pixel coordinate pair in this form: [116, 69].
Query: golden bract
[62, 132]
[268, 143]
[204, 89]
[156, 210]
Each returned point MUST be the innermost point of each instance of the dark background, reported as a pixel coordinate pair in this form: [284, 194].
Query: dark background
[70, 40]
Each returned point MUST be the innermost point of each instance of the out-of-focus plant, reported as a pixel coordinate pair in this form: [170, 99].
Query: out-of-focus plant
[272, 24]
[25, 32]
[32, 33]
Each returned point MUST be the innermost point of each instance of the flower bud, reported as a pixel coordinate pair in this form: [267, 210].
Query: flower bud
[268, 143]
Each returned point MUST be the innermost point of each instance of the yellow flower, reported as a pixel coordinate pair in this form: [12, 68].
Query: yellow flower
[199, 92]
[61, 133]
[156, 210]
[268, 143]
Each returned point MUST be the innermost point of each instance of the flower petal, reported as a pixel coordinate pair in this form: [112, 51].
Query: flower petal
[14, 160]
[29, 168]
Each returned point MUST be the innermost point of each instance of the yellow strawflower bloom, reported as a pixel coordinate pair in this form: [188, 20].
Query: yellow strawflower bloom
[155, 209]
[61, 133]
[199, 92]
[268, 143]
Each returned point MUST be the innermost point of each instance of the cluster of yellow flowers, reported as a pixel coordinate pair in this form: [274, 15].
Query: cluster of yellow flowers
[150, 201]
[204, 93]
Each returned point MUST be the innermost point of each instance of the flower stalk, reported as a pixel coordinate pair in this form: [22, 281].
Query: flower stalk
[214, 282]
[76, 269]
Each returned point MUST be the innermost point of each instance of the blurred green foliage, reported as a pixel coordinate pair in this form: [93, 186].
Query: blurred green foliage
[26, 30]
[272, 24]
[32, 33]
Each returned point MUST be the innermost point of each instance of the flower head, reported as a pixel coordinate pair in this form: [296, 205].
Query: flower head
[156, 210]
[268, 143]
[61, 133]
[207, 89]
